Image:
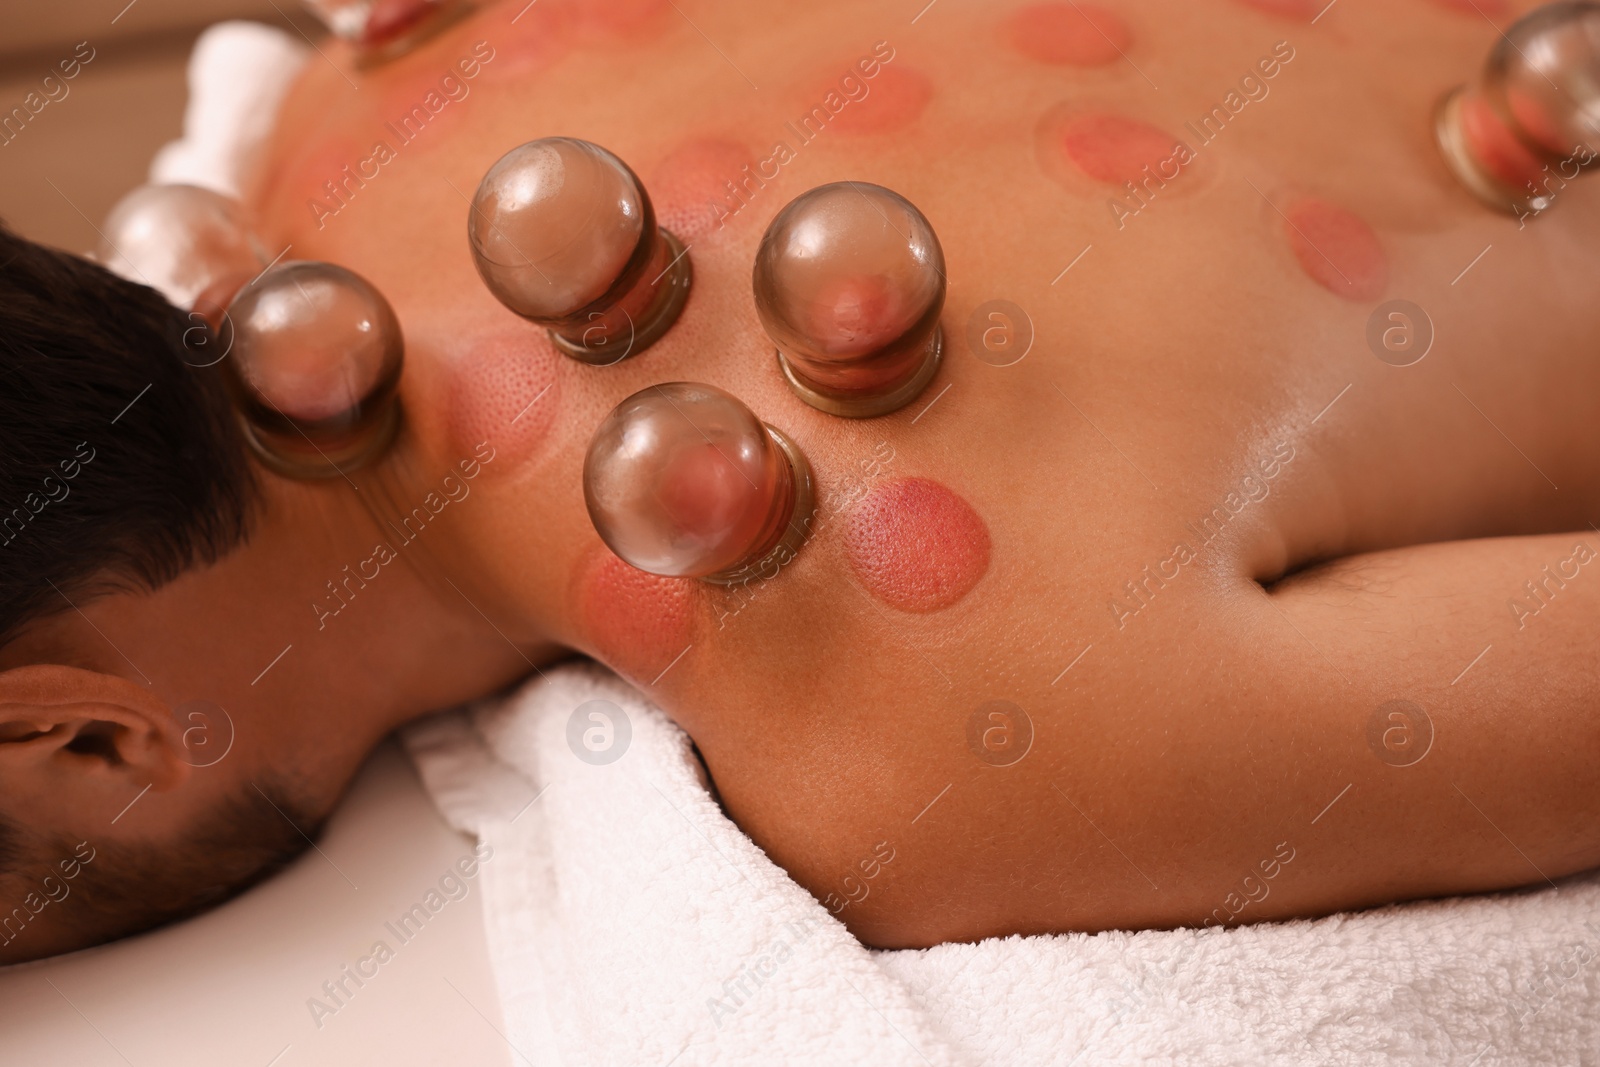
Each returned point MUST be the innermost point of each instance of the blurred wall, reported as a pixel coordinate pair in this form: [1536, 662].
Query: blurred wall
[62, 172]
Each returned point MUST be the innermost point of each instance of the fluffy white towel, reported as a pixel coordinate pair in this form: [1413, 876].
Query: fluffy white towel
[630, 922]
[238, 75]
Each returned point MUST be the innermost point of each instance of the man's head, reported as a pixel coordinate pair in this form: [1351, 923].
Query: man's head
[121, 469]
[149, 567]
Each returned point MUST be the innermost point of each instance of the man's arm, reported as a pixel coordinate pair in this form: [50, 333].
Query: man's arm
[1458, 686]
[1403, 724]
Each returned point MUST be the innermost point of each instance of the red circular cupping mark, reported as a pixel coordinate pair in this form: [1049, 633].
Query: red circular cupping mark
[1113, 149]
[637, 623]
[504, 390]
[1074, 35]
[916, 545]
[1337, 249]
[895, 99]
[689, 187]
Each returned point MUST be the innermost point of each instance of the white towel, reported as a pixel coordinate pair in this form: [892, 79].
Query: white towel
[630, 922]
[239, 73]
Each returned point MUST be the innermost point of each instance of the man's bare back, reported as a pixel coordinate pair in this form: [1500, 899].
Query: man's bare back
[1108, 636]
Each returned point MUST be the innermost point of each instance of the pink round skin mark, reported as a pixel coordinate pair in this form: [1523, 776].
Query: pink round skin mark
[1112, 149]
[895, 99]
[1073, 35]
[689, 187]
[505, 390]
[638, 623]
[916, 545]
[1337, 249]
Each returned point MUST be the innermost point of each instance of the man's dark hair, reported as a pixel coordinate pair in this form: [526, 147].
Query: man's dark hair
[120, 463]
[121, 467]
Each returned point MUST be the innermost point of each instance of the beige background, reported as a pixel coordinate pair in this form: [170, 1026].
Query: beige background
[97, 142]
[231, 986]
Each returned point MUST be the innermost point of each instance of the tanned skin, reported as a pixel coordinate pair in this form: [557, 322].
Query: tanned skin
[1212, 723]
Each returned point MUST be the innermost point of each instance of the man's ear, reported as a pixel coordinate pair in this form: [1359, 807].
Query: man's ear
[64, 723]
